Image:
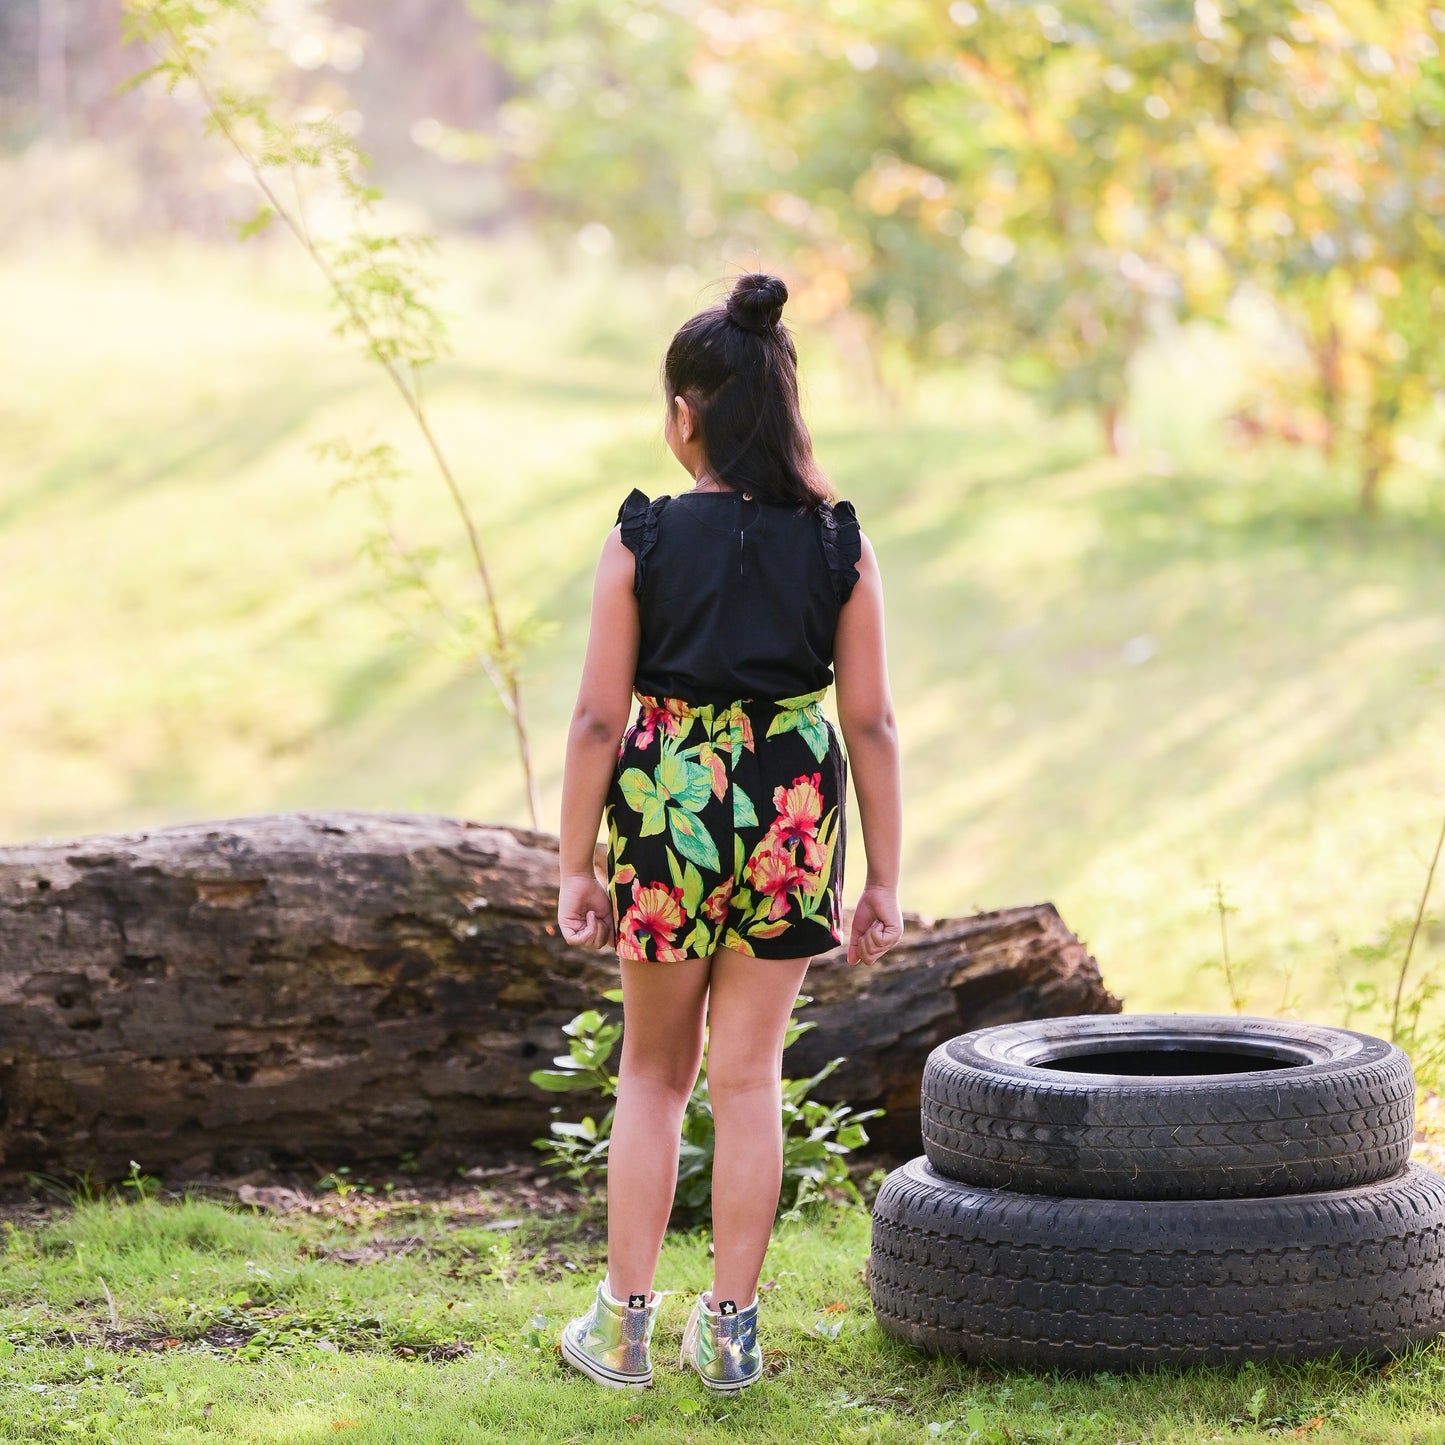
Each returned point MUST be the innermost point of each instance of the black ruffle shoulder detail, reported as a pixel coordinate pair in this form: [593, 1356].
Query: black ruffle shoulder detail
[638, 518]
[842, 544]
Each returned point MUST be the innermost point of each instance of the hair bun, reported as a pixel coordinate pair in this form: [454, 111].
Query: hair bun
[756, 303]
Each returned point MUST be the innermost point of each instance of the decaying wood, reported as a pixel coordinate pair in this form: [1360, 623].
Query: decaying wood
[341, 987]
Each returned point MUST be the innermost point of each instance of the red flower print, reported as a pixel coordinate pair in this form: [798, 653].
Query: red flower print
[715, 905]
[707, 755]
[655, 916]
[771, 871]
[665, 715]
[799, 808]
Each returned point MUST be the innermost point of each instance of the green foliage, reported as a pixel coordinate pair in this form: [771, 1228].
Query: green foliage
[816, 1136]
[605, 128]
[1046, 184]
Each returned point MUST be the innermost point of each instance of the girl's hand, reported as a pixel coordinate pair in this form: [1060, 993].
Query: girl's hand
[584, 911]
[877, 924]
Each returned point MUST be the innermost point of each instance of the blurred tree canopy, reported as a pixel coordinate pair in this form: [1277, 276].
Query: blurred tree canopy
[1038, 182]
[1046, 182]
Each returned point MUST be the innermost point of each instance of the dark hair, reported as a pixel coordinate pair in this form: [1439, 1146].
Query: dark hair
[737, 364]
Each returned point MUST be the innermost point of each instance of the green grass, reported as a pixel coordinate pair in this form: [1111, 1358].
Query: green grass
[1118, 681]
[434, 1323]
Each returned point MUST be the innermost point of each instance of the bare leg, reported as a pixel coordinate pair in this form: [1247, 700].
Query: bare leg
[748, 1011]
[663, 1006]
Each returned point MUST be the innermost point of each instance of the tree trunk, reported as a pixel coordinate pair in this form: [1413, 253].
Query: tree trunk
[1116, 429]
[318, 989]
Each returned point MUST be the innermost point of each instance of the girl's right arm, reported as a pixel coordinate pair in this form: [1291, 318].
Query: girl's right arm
[870, 735]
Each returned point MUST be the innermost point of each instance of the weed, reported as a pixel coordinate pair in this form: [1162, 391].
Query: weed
[1233, 979]
[1414, 934]
[816, 1136]
[143, 1187]
[340, 1183]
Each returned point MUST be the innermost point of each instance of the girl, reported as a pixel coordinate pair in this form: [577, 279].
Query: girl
[721, 610]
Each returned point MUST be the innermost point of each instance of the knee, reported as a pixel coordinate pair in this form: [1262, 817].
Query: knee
[668, 1080]
[729, 1079]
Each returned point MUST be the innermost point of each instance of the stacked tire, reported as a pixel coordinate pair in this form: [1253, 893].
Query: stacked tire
[1133, 1192]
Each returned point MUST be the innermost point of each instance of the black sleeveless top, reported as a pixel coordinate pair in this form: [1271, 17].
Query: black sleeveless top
[738, 598]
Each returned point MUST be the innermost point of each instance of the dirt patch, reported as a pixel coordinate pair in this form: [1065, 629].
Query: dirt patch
[374, 1251]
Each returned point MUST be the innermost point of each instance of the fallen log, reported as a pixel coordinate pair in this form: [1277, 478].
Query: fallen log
[317, 989]
[947, 976]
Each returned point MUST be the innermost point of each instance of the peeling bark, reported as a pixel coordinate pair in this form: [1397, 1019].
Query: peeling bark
[342, 987]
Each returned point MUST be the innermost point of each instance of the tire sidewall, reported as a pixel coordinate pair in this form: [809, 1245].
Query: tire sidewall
[1006, 1050]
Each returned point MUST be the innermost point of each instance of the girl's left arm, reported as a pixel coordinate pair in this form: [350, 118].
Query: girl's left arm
[604, 703]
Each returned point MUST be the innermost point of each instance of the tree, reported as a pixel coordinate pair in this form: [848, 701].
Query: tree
[377, 283]
[1326, 153]
[1039, 182]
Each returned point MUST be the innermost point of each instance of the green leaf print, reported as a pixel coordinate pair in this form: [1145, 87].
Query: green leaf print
[673, 867]
[806, 722]
[642, 797]
[699, 940]
[691, 888]
[814, 730]
[686, 783]
[828, 836]
[692, 839]
[635, 786]
[744, 814]
[752, 910]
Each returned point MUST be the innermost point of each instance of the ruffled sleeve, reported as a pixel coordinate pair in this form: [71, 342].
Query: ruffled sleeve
[843, 546]
[638, 518]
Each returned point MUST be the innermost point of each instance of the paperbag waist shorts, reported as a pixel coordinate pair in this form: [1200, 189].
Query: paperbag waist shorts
[725, 826]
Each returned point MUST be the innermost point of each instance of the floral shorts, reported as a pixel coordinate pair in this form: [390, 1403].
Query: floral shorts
[725, 826]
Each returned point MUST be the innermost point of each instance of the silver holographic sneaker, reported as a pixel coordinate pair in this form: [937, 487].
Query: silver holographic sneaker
[612, 1341]
[722, 1345]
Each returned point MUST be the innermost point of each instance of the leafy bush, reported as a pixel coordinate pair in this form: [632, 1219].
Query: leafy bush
[816, 1136]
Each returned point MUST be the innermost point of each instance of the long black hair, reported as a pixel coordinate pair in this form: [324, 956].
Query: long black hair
[737, 364]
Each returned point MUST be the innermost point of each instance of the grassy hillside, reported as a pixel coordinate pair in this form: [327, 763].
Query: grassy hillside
[1118, 680]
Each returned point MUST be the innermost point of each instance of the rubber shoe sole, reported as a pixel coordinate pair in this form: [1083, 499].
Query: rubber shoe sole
[733, 1386]
[611, 1378]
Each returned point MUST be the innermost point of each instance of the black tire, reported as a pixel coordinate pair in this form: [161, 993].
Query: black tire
[1111, 1284]
[1229, 1108]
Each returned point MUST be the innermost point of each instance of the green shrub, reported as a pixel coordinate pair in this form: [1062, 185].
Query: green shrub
[816, 1136]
